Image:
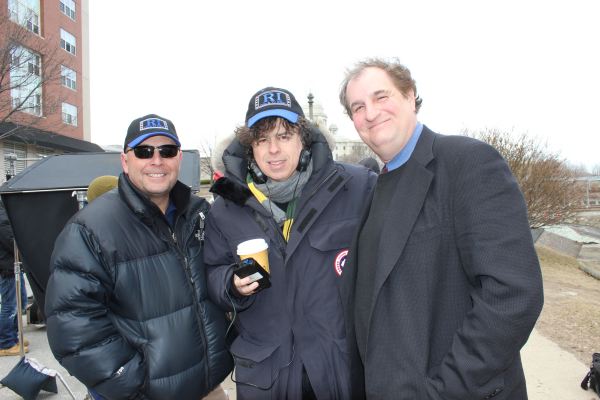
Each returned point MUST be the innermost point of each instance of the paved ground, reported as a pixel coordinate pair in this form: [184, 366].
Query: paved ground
[552, 373]
[40, 351]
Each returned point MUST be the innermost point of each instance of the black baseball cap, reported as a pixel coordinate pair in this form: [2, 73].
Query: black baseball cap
[147, 126]
[273, 102]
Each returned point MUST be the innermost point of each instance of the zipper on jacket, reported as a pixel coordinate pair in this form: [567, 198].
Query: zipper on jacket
[188, 270]
[184, 259]
[200, 233]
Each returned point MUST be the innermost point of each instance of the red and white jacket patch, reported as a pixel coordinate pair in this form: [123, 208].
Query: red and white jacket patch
[340, 262]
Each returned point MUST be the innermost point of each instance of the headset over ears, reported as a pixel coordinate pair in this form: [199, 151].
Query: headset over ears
[304, 160]
[259, 177]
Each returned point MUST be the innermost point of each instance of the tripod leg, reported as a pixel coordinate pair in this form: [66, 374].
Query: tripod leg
[18, 294]
[60, 378]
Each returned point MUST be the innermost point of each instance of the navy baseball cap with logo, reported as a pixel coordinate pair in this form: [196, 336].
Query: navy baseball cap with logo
[273, 102]
[147, 126]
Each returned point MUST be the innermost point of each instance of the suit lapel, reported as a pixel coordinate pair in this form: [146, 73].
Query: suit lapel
[405, 207]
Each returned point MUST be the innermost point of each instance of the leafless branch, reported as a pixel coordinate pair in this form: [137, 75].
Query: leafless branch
[547, 182]
[27, 64]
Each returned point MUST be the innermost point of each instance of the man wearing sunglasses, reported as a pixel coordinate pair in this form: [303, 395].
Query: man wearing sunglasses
[127, 307]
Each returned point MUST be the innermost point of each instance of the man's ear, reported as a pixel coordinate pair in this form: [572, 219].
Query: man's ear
[124, 162]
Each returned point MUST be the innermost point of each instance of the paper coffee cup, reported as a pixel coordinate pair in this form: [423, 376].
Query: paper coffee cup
[257, 249]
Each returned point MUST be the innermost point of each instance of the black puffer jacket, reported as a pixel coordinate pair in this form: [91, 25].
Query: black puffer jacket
[126, 303]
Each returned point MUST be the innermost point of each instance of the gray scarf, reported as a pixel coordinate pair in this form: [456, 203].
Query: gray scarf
[283, 192]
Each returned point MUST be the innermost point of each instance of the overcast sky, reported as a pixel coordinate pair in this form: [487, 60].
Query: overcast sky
[525, 66]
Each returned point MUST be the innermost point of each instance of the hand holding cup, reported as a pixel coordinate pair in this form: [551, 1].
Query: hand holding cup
[253, 267]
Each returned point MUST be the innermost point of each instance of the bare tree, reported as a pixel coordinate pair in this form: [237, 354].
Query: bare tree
[27, 64]
[206, 154]
[548, 184]
[596, 170]
[578, 169]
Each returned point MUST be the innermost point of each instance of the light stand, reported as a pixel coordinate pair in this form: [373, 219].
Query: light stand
[19, 303]
[81, 196]
[12, 158]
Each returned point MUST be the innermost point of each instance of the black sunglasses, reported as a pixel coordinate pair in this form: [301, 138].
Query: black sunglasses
[165, 151]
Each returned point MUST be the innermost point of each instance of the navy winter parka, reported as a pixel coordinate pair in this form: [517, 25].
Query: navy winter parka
[126, 304]
[298, 321]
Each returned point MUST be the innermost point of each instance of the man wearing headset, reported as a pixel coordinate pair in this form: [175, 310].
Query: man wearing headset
[282, 185]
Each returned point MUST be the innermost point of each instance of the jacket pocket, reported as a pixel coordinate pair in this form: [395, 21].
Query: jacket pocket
[255, 364]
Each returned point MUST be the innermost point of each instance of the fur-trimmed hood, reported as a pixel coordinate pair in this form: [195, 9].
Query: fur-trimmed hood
[235, 159]
[231, 190]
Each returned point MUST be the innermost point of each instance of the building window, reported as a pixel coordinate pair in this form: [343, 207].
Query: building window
[67, 41]
[68, 8]
[26, 80]
[68, 77]
[69, 114]
[25, 13]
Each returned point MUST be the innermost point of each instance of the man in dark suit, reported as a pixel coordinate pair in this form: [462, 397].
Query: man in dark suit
[442, 283]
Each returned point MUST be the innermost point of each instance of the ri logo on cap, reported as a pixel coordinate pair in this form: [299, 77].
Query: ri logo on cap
[272, 98]
[153, 123]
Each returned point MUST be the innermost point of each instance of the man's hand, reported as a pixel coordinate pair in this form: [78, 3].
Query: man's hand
[244, 286]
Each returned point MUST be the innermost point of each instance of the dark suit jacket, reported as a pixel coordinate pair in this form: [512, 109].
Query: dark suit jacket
[457, 286]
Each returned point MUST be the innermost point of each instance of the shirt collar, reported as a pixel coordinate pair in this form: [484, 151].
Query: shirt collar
[170, 212]
[402, 157]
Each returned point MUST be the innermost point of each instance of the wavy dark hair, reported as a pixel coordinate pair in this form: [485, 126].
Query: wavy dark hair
[398, 73]
[247, 136]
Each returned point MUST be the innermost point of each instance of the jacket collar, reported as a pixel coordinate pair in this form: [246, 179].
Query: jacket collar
[142, 206]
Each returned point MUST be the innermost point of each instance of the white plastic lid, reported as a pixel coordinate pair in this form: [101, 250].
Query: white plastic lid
[252, 246]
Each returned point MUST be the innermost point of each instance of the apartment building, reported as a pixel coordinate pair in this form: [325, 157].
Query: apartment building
[44, 81]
